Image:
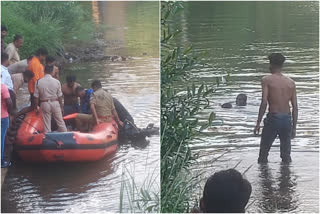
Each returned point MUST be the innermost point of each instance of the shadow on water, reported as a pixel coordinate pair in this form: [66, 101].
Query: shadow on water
[277, 194]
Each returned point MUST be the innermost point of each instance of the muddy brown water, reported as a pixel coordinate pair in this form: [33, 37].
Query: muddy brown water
[237, 38]
[95, 187]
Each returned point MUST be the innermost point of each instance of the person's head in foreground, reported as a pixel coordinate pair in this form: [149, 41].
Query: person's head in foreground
[80, 92]
[95, 85]
[276, 62]
[241, 100]
[71, 79]
[225, 191]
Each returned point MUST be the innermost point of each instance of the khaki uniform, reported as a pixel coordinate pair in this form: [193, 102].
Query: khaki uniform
[103, 104]
[13, 54]
[18, 81]
[48, 90]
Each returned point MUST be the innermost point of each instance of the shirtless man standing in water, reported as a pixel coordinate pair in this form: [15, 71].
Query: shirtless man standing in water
[277, 91]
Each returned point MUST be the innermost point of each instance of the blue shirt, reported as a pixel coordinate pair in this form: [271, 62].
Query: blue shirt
[85, 102]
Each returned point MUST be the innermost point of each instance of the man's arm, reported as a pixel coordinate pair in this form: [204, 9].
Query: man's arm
[61, 105]
[9, 105]
[294, 104]
[263, 105]
[94, 113]
[115, 115]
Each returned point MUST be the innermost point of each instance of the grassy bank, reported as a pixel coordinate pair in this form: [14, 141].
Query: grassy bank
[179, 107]
[47, 24]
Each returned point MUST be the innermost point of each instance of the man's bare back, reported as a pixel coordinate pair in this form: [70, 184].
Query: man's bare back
[69, 94]
[279, 91]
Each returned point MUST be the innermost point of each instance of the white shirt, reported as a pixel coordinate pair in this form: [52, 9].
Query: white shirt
[6, 78]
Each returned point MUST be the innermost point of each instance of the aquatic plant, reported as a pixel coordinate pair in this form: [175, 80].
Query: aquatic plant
[46, 24]
[179, 107]
[137, 196]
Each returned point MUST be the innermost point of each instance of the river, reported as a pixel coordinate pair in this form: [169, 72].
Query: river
[236, 38]
[131, 29]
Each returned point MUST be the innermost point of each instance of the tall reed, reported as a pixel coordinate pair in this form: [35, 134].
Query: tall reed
[179, 107]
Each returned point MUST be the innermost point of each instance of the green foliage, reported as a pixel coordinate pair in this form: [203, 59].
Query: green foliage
[178, 110]
[45, 24]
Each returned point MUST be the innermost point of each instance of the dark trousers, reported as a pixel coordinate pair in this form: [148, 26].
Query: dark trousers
[276, 124]
[13, 99]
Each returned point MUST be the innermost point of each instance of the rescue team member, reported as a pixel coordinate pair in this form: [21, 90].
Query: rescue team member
[37, 69]
[13, 48]
[20, 78]
[50, 60]
[102, 108]
[84, 95]
[71, 104]
[19, 67]
[48, 90]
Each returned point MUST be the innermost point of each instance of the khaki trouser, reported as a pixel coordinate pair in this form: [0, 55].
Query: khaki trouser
[84, 122]
[52, 109]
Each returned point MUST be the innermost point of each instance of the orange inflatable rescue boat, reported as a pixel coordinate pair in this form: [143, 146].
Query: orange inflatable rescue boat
[33, 145]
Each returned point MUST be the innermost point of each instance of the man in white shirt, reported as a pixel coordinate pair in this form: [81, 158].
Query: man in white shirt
[6, 78]
[13, 48]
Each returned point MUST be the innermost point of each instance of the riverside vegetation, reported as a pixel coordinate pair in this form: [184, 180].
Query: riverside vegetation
[179, 107]
[47, 24]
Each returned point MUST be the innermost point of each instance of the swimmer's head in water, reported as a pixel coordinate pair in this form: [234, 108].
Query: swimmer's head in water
[241, 100]
[225, 191]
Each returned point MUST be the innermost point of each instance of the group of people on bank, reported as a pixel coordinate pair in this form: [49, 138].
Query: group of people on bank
[46, 93]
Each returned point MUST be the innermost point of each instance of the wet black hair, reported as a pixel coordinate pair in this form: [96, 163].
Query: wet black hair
[4, 57]
[226, 191]
[41, 51]
[70, 78]
[28, 74]
[96, 84]
[276, 59]
[50, 59]
[17, 37]
[48, 69]
[79, 89]
[4, 28]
